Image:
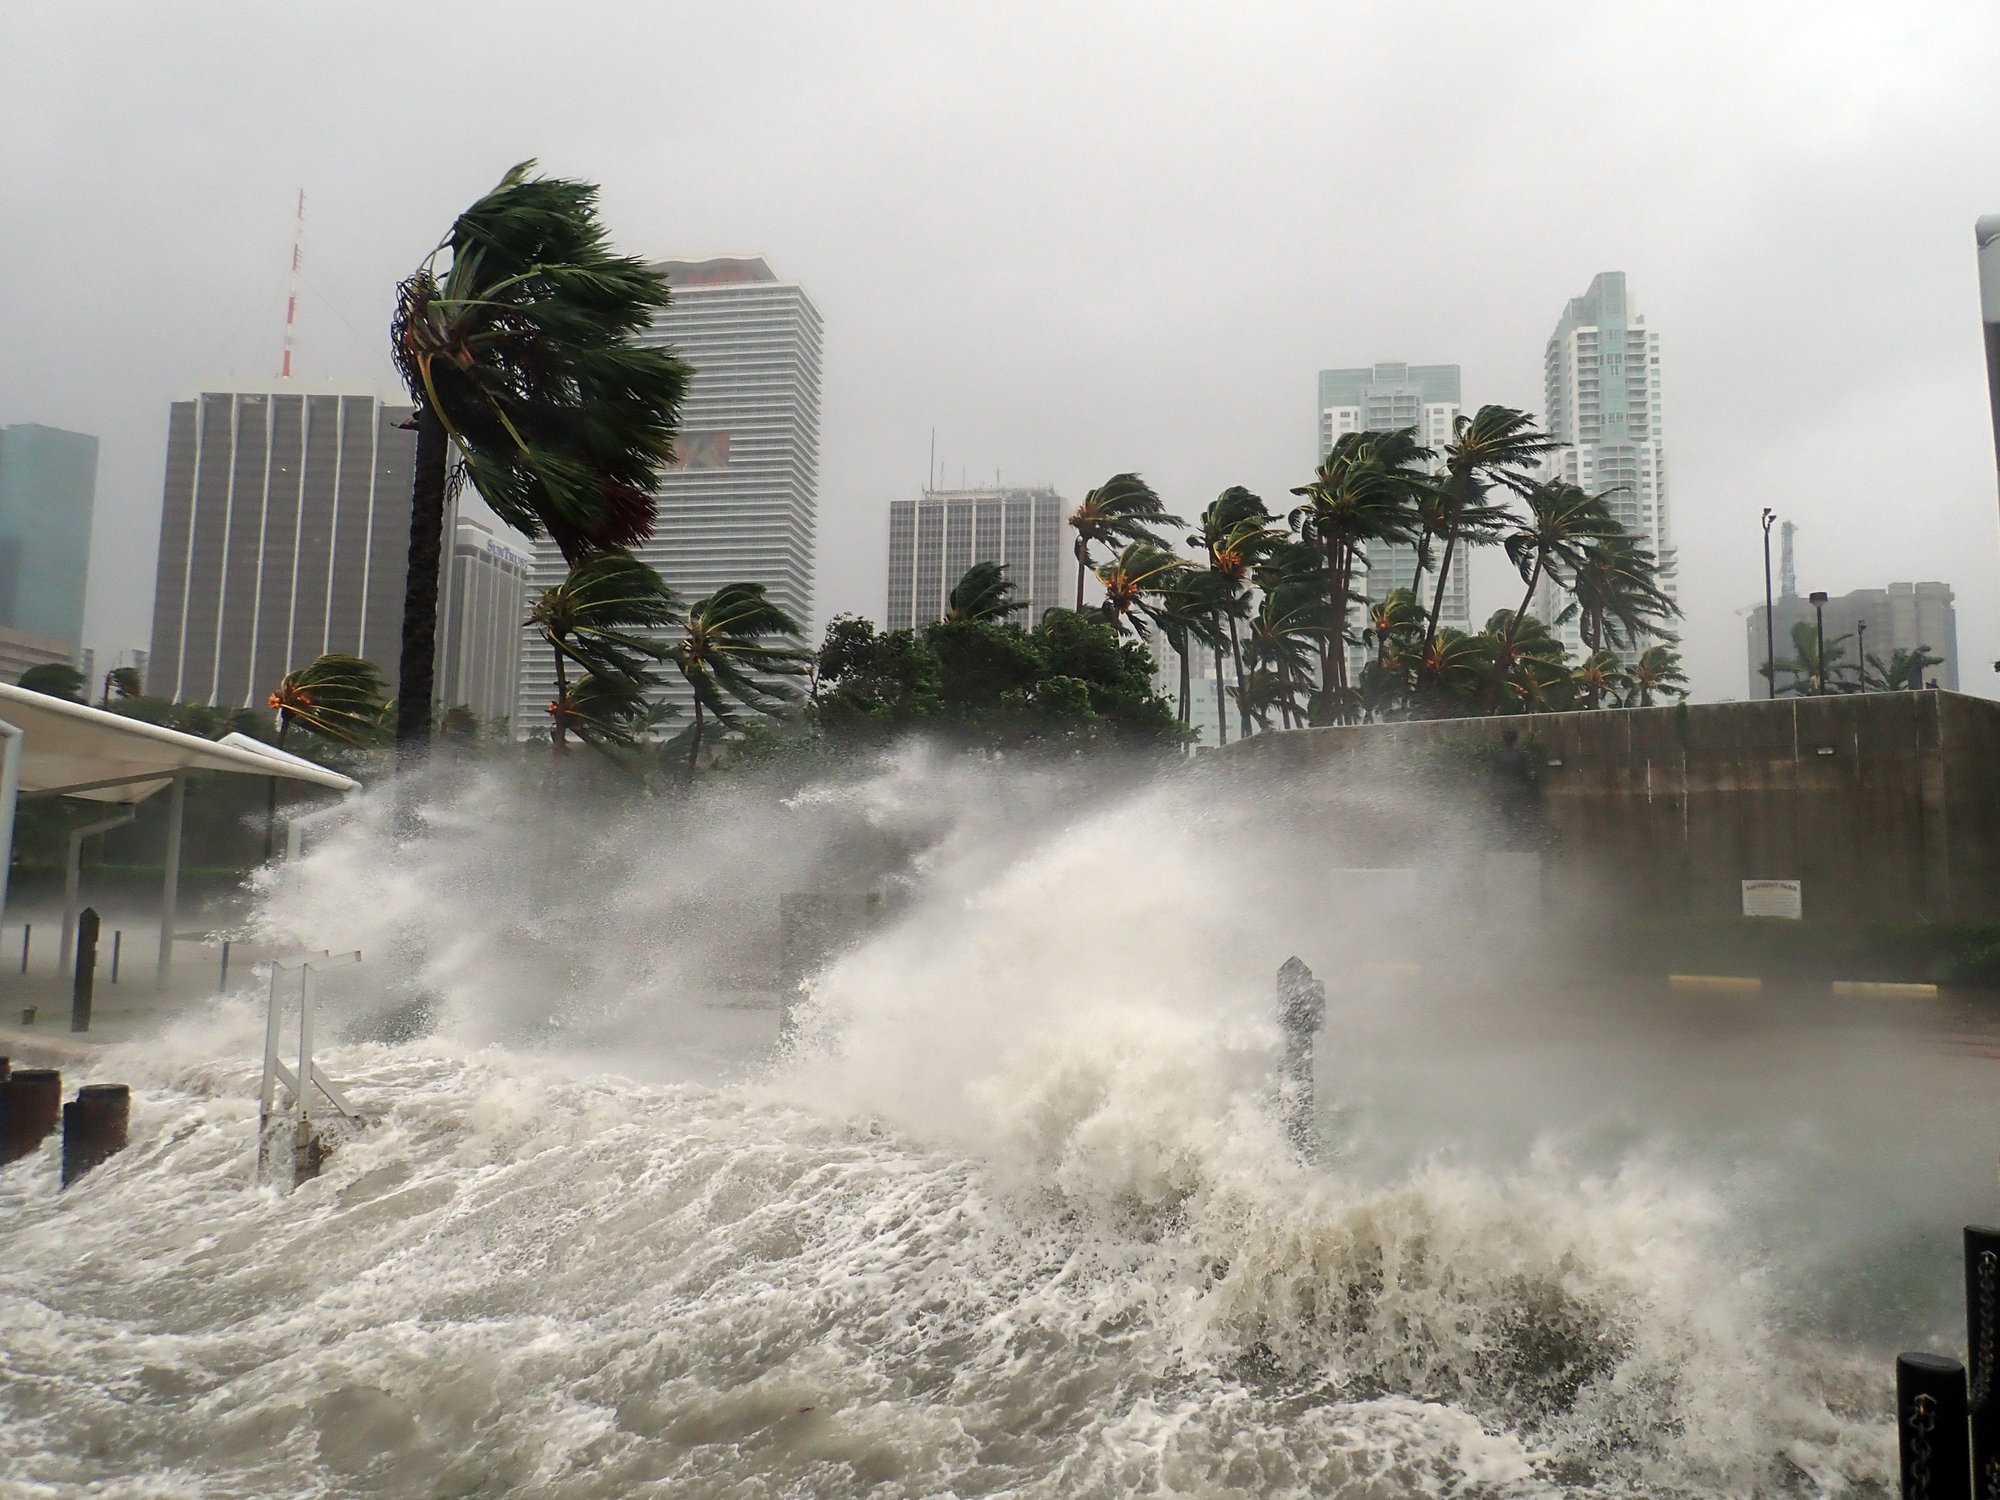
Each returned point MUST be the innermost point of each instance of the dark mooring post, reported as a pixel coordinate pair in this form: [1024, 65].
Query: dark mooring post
[1930, 1427]
[95, 1125]
[1301, 1010]
[1982, 1343]
[28, 1111]
[83, 981]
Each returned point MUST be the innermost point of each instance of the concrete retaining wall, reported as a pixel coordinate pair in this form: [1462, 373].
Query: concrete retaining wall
[1885, 805]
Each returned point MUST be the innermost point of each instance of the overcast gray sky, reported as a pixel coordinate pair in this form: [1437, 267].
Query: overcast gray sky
[1077, 239]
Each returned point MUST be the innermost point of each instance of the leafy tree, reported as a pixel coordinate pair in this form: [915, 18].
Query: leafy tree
[523, 358]
[1121, 510]
[984, 593]
[735, 649]
[122, 682]
[872, 684]
[55, 679]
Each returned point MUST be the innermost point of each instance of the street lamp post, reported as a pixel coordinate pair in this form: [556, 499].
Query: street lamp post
[1770, 618]
[1861, 651]
[1819, 630]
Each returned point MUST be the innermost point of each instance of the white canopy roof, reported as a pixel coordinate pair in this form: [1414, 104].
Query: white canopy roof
[104, 757]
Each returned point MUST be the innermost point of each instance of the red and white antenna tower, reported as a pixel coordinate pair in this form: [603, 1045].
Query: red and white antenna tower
[292, 300]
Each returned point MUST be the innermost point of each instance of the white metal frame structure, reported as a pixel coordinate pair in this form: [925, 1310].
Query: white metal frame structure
[307, 1073]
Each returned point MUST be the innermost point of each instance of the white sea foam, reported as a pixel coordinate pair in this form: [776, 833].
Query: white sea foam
[1012, 1217]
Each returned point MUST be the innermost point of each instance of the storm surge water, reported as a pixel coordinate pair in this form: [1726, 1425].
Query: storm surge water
[1008, 1215]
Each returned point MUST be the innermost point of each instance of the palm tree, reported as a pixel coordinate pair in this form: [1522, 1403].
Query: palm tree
[725, 653]
[1184, 607]
[1529, 665]
[1496, 445]
[1287, 631]
[1615, 595]
[1562, 523]
[1122, 509]
[338, 698]
[1365, 490]
[602, 710]
[984, 593]
[1658, 670]
[1235, 534]
[1600, 675]
[606, 618]
[522, 357]
[121, 683]
[1394, 626]
[1452, 674]
[1808, 655]
[1904, 669]
[1142, 568]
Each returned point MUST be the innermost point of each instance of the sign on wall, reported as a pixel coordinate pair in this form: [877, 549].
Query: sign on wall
[1774, 898]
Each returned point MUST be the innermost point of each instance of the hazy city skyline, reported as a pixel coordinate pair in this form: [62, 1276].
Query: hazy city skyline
[1141, 277]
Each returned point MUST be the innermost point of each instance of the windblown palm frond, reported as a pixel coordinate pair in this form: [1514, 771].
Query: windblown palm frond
[1122, 509]
[338, 698]
[984, 593]
[737, 648]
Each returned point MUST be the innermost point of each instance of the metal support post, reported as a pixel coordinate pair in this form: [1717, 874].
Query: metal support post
[1301, 1012]
[73, 880]
[10, 793]
[307, 1150]
[1982, 1347]
[1930, 1427]
[117, 943]
[85, 981]
[170, 885]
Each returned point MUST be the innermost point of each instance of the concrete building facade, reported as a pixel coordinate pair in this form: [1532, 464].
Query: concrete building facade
[1901, 617]
[1382, 398]
[1602, 389]
[480, 626]
[48, 489]
[741, 505]
[935, 538]
[284, 534]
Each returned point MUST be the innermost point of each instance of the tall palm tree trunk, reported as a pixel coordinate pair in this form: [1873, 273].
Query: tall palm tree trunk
[1437, 598]
[420, 589]
[1082, 550]
[1221, 694]
[1236, 657]
[1187, 683]
[694, 744]
[559, 736]
[1534, 578]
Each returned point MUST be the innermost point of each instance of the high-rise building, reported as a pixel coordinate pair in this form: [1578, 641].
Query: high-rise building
[480, 626]
[741, 504]
[284, 534]
[1601, 371]
[934, 539]
[1877, 622]
[48, 486]
[1383, 398]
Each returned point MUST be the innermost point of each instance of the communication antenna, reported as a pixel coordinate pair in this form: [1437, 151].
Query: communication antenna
[930, 479]
[1788, 577]
[292, 298]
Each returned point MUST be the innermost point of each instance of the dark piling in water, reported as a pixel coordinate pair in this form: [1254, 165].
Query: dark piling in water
[29, 1109]
[95, 1127]
[1930, 1427]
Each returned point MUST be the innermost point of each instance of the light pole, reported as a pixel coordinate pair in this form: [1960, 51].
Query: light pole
[1770, 618]
[1986, 232]
[1819, 629]
[1861, 650]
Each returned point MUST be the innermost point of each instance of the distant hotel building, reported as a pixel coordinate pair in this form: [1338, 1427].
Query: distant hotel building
[284, 533]
[1383, 398]
[481, 626]
[933, 540]
[1601, 371]
[741, 506]
[48, 487]
[1901, 617]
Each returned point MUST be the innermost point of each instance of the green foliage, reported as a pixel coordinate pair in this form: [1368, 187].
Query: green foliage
[56, 680]
[1122, 510]
[984, 593]
[526, 345]
[339, 698]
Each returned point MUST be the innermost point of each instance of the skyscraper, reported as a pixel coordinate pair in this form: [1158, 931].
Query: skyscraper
[284, 533]
[1382, 398]
[48, 486]
[480, 630]
[741, 504]
[1601, 370]
[934, 539]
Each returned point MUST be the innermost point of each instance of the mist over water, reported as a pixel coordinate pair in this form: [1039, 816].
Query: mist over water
[1009, 1215]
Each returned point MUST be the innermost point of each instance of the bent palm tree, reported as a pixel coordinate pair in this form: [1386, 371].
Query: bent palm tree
[1235, 534]
[1562, 523]
[1122, 509]
[1658, 670]
[1142, 568]
[597, 619]
[725, 654]
[1903, 670]
[522, 357]
[338, 698]
[984, 593]
[1496, 445]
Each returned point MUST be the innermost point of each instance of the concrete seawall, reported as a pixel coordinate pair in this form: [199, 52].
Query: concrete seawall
[1886, 806]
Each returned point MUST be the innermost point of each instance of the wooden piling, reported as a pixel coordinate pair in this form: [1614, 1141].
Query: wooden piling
[29, 1110]
[83, 983]
[1931, 1437]
[95, 1127]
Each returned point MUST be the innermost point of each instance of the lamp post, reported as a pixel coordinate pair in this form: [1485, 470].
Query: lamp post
[1861, 651]
[1819, 629]
[1770, 618]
